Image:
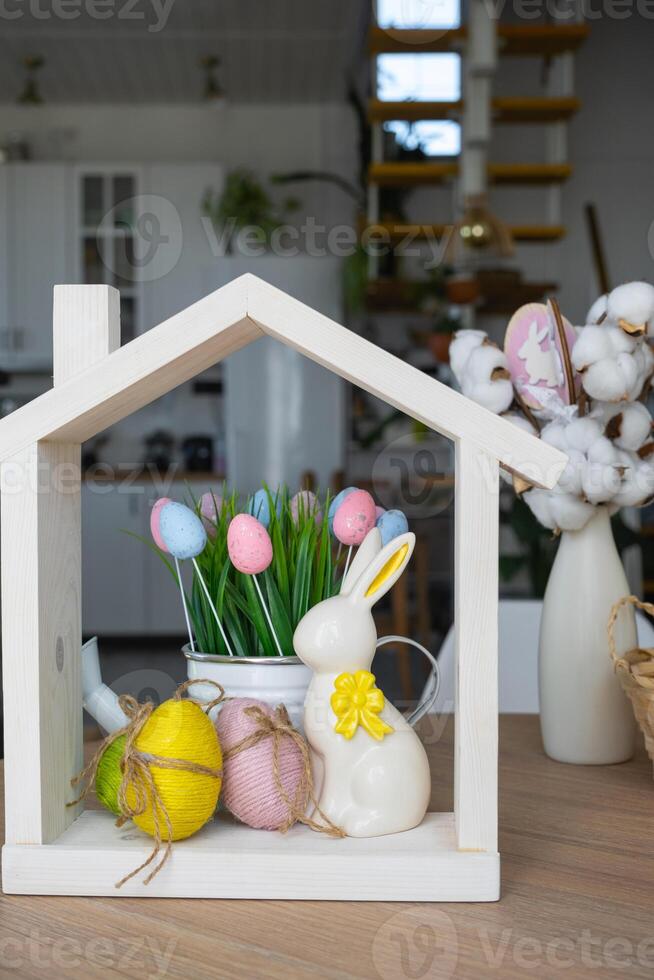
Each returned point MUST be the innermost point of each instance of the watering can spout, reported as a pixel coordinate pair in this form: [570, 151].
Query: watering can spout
[98, 699]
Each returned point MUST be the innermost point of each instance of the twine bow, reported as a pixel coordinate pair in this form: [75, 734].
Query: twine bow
[277, 727]
[137, 781]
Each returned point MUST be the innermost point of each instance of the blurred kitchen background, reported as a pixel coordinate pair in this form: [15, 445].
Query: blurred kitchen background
[137, 141]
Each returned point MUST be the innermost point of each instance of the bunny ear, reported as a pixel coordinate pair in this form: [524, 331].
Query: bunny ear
[384, 571]
[368, 551]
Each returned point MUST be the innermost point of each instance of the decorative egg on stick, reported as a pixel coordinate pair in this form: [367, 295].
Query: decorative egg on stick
[305, 503]
[353, 519]
[155, 530]
[183, 536]
[210, 507]
[335, 504]
[259, 506]
[391, 524]
[250, 550]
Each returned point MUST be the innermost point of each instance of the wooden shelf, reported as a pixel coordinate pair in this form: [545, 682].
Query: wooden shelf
[384, 40]
[404, 174]
[379, 111]
[520, 233]
[530, 110]
[533, 40]
[505, 110]
[407, 174]
[528, 173]
[540, 39]
[398, 296]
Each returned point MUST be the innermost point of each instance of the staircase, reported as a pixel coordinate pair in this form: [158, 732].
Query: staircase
[554, 42]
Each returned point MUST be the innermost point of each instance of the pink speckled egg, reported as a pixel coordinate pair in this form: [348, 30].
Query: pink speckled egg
[305, 503]
[155, 519]
[354, 518]
[249, 545]
[210, 506]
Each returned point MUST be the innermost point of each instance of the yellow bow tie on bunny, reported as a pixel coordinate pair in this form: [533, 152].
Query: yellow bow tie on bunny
[356, 701]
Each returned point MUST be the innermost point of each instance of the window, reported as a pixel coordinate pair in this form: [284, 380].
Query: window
[422, 78]
[417, 14]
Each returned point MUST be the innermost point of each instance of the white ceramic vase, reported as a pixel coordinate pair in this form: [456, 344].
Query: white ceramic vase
[585, 717]
[274, 680]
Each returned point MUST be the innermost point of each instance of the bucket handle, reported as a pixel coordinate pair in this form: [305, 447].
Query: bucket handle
[431, 688]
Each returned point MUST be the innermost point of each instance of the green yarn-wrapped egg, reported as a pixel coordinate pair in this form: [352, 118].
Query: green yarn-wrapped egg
[109, 775]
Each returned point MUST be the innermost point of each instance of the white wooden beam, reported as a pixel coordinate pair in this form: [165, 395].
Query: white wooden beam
[401, 385]
[41, 592]
[476, 563]
[230, 319]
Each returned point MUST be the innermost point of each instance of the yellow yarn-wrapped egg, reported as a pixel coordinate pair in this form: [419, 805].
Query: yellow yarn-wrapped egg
[180, 730]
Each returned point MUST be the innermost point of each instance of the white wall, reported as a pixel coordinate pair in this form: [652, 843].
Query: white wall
[612, 148]
[265, 138]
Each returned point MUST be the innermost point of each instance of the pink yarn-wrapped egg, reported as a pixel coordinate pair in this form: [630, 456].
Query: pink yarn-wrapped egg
[354, 518]
[210, 505]
[305, 502]
[155, 519]
[249, 545]
[249, 791]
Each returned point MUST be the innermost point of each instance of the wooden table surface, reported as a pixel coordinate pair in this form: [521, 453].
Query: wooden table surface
[577, 848]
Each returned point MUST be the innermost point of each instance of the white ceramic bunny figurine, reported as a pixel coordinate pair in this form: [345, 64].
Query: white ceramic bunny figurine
[371, 770]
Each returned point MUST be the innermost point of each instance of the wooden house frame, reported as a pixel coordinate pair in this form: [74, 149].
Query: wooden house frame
[53, 849]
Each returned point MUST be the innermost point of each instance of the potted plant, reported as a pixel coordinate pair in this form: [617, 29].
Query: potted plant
[245, 203]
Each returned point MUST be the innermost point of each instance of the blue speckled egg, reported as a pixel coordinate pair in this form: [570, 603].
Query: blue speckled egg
[391, 524]
[182, 531]
[336, 503]
[259, 506]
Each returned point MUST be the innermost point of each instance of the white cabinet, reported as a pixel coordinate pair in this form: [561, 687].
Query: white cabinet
[126, 588]
[39, 254]
[284, 414]
[175, 276]
[113, 595]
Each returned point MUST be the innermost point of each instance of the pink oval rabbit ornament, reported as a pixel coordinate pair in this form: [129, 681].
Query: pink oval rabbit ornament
[371, 770]
[533, 353]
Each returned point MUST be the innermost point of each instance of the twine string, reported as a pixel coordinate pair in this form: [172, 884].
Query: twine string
[137, 778]
[277, 727]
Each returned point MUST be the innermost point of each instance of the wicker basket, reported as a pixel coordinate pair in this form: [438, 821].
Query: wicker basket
[636, 672]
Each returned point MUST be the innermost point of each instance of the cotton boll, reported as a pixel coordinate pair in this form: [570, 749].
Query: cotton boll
[558, 511]
[604, 452]
[600, 483]
[463, 344]
[598, 309]
[611, 363]
[637, 486]
[628, 426]
[476, 383]
[539, 503]
[611, 380]
[595, 343]
[581, 433]
[570, 513]
[632, 302]
[570, 480]
[554, 435]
